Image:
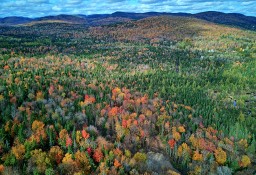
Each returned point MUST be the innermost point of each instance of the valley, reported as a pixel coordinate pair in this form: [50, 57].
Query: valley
[113, 98]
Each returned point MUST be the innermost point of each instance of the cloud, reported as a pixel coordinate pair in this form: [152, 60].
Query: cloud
[150, 1]
[36, 8]
[38, 1]
[56, 8]
[248, 3]
[74, 1]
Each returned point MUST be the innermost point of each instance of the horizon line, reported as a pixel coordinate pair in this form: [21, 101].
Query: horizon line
[127, 12]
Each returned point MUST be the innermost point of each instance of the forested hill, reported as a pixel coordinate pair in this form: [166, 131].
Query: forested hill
[231, 19]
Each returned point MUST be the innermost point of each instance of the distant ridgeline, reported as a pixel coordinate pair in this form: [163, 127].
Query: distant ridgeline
[231, 19]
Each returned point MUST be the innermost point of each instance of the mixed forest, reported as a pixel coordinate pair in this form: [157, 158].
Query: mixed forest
[160, 95]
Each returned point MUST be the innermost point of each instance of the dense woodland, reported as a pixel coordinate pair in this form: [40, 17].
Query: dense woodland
[161, 95]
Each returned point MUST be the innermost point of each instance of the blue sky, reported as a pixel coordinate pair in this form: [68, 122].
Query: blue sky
[37, 8]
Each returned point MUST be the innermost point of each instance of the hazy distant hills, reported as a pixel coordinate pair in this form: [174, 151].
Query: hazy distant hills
[14, 20]
[231, 19]
[68, 18]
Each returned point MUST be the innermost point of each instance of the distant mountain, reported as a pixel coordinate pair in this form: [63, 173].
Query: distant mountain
[14, 20]
[154, 29]
[75, 19]
[136, 16]
[231, 19]
[107, 21]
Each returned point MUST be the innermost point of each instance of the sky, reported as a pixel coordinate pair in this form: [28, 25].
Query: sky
[38, 8]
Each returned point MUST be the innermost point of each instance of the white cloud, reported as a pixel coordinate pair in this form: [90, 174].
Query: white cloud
[35, 8]
[56, 8]
[38, 1]
[74, 1]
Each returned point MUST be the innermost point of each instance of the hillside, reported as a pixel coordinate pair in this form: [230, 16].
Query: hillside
[231, 19]
[14, 20]
[68, 18]
[157, 95]
[159, 29]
